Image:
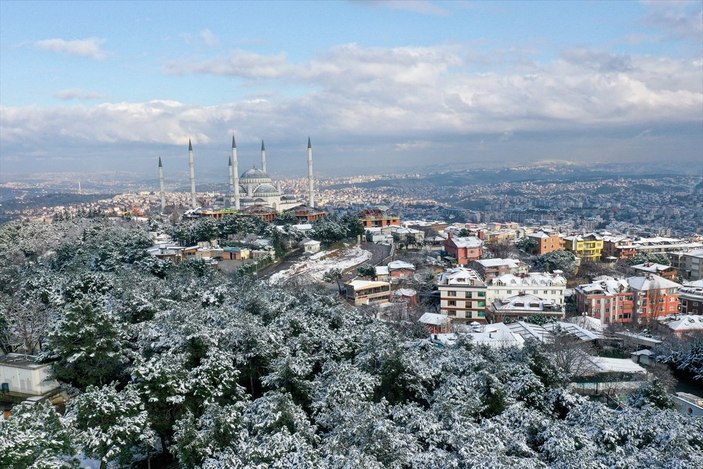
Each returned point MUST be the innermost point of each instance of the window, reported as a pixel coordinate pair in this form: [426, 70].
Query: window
[481, 304]
[451, 293]
[481, 294]
[509, 292]
[481, 314]
[451, 302]
[468, 294]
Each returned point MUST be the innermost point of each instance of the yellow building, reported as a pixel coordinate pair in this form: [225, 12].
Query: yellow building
[587, 247]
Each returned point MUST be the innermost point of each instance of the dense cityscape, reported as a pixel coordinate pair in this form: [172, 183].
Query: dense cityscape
[388, 234]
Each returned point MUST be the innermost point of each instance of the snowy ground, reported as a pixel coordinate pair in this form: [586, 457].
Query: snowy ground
[313, 268]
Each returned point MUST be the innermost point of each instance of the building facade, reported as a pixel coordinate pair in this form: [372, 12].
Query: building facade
[462, 295]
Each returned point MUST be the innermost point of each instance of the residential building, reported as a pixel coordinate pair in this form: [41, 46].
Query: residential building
[691, 298]
[311, 246]
[464, 250]
[607, 299]
[654, 296]
[545, 242]
[549, 286]
[522, 306]
[306, 214]
[462, 295]
[365, 292]
[400, 269]
[491, 268]
[666, 271]
[378, 217]
[586, 247]
[22, 376]
[435, 323]
[693, 265]
[684, 323]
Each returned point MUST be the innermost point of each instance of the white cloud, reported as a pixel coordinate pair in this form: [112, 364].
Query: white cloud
[209, 38]
[91, 47]
[680, 19]
[411, 95]
[78, 94]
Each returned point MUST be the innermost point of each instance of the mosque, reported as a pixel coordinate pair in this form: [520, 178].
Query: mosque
[252, 190]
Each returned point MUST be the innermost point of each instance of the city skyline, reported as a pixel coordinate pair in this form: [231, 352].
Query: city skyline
[377, 85]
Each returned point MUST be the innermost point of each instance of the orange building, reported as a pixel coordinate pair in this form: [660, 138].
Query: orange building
[378, 218]
[464, 250]
[546, 242]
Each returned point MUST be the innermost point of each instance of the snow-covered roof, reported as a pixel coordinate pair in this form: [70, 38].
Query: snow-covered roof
[589, 323]
[511, 263]
[461, 276]
[527, 330]
[652, 267]
[604, 285]
[651, 282]
[398, 265]
[361, 284]
[538, 235]
[312, 242]
[684, 323]
[573, 329]
[434, 319]
[467, 242]
[614, 365]
[532, 279]
[496, 335]
[382, 270]
[527, 302]
[405, 292]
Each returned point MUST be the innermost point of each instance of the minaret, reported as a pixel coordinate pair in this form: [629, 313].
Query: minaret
[311, 193]
[263, 157]
[230, 174]
[161, 185]
[235, 174]
[193, 200]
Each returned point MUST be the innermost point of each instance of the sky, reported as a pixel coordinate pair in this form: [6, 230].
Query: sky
[378, 86]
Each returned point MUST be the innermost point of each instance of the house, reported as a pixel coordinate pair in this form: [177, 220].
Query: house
[691, 298]
[306, 214]
[311, 246]
[542, 243]
[603, 375]
[693, 265]
[523, 306]
[654, 296]
[365, 292]
[464, 250]
[530, 331]
[167, 251]
[435, 323]
[493, 335]
[378, 217]
[491, 268]
[587, 247]
[462, 295]
[607, 299]
[22, 376]
[235, 253]
[405, 295]
[400, 269]
[683, 323]
[550, 286]
[666, 271]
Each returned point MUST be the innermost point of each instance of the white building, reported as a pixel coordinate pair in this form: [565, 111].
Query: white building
[544, 285]
[23, 375]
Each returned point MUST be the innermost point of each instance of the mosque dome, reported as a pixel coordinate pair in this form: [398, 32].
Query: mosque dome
[254, 173]
[265, 189]
[289, 197]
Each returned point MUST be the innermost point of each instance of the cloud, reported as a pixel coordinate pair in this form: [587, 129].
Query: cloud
[90, 47]
[417, 6]
[78, 94]
[209, 38]
[682, 19]
[406, 98]
[238, 64]
[598, 60]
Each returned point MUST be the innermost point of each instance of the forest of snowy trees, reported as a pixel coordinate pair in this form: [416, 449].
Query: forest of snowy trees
[182, 365]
